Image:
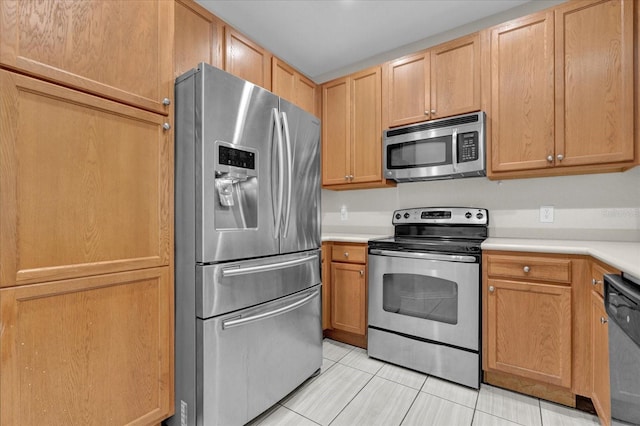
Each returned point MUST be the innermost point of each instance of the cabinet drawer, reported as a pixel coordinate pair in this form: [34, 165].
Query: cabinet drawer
[353, 253]
[532, 268]
[597, 276]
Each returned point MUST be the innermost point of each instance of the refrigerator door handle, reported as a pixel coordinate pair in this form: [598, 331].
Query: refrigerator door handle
[287, 138]
[232, 272]
[278, 127]
[269, 314]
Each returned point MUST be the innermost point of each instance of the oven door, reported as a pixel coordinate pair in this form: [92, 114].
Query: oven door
[429, 296]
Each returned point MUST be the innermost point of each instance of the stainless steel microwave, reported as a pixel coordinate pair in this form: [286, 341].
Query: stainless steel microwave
[448, 148]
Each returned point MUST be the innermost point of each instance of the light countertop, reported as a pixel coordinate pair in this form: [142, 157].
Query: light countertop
[622, 255]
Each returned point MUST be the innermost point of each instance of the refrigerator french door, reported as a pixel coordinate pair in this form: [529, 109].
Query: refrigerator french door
[247, 232]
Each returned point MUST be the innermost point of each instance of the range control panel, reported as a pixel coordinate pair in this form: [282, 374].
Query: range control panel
[442, 215]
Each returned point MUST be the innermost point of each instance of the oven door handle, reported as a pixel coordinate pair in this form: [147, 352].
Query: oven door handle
[425, 256]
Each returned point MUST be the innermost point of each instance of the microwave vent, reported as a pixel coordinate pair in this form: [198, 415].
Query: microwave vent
[472, 118]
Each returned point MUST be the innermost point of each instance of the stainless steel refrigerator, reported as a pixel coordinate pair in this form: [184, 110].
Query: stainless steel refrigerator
[247, 259]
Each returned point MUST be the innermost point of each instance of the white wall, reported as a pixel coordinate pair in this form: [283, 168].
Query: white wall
[600, 206]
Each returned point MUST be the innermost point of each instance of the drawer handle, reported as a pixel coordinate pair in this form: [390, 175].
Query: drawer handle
[361, 272]
[595, 281]
[526, 269]
[491, 289]
[346, 254]
[603, 320]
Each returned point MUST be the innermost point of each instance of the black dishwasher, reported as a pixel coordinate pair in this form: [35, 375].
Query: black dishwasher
[622, 302]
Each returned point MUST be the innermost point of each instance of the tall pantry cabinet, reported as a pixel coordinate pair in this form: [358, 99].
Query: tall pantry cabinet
[86, 224]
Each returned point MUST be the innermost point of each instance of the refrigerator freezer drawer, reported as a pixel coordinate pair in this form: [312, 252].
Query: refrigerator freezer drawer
[227, 287]
[249, 360]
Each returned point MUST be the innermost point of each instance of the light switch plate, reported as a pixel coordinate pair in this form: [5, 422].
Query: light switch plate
[546, 214]
[344, 213]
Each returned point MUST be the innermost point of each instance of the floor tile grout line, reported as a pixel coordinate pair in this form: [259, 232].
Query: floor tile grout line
[410, 407]
[351, 400]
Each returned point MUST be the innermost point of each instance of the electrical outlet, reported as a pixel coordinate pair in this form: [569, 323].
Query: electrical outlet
[546, 214]
[344, 214]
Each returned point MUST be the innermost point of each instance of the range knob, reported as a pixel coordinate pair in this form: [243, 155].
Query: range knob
[398, 216]
[468, 215]
[479, 215]
[406, 215]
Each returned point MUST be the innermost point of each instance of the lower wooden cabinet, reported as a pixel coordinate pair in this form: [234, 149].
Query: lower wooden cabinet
[347, 293]
[601, 394]
[88, 351]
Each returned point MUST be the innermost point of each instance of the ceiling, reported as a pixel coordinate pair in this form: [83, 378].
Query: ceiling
[320, 36]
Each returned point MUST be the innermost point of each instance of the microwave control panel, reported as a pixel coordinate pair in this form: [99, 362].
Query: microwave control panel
[468, 147]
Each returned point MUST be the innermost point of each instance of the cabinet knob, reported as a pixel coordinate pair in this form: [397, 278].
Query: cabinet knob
[433, 111]
[550, 158]
[346, 177]
[166, 101]
[560, 157]
[361, 272]
[595, 281]
[346, 254]
[166, 126]
[491, 289]
[426, 113]
[603, 320]
[526, 269]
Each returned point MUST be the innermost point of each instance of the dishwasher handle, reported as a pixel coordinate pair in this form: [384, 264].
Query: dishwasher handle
[269, 314]
[425, 256]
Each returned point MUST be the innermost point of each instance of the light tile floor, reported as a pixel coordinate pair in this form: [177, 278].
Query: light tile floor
[354, 389]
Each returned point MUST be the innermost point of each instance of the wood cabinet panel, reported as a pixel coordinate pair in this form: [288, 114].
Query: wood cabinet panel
[246, 59]
[118, 49]
[85, 184]
[594, 82]
[528, 330]
[336, 124]
[307, 94]
[522, 93]
[406, 92]
[455, 77]
[199, 37]
[530, 267]
[348, 298]
[326, 286]
[293, 86]
[366, 128]
[88, 351]
[601, 396]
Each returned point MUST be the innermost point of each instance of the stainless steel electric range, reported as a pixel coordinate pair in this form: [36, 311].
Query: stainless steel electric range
[424, 292]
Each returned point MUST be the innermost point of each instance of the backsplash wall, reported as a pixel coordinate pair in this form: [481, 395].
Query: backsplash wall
[599, 206]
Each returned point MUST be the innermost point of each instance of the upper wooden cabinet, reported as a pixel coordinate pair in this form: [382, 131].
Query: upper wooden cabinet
[199, 37]
[118, 49]
[293, 86]
[85, 184]
[352, 132]
[435, 83]
[246, 59]
[562, 91]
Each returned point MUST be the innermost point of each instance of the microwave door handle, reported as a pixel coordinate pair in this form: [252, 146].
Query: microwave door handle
[287, 138]
[278, 127]
[454, 154]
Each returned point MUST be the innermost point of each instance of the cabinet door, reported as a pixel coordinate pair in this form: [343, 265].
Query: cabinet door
[119, 49]
[594, 82]
[336, 124]
[529, 330]
[283, 80]
[89, 351]
[246, 59]
[348, 297]
[199, 37]
[601, 396]
[406, 91]
[326, 286]
[522, 94]
[306, 94]
[455, 77]
[85, 184]
[366, 130]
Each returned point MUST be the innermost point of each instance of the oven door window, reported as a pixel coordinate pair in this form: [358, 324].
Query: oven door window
[420, 296]
[421, 153]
